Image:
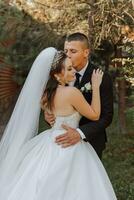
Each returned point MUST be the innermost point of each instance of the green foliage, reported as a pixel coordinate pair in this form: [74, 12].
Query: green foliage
[42, 123]
[30, 36]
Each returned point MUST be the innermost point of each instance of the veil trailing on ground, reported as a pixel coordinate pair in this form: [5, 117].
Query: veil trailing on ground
[23, 124]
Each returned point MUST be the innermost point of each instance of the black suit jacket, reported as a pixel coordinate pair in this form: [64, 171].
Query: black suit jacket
[94, 131]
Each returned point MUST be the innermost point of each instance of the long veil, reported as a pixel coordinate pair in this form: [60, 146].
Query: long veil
[24, 120]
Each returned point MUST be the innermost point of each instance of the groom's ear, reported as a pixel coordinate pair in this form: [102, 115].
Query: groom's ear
[87, 52]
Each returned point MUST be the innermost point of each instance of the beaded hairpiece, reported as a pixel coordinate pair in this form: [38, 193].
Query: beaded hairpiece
[57, 58]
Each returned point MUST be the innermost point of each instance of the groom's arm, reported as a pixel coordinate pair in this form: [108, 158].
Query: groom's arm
[93, 128]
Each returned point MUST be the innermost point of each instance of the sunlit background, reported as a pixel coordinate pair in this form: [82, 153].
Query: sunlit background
[28, 26]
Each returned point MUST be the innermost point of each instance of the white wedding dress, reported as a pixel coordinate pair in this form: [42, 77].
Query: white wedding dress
[45, 171]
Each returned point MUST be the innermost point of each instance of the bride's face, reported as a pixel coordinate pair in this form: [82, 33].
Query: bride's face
[68, 74]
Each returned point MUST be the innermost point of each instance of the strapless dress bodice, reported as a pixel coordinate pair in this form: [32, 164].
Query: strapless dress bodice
[70, 120]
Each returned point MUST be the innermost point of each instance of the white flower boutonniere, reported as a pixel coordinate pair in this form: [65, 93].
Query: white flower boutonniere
[87, 87]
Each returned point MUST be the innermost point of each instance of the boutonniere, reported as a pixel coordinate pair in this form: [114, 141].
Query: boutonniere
[87, 87]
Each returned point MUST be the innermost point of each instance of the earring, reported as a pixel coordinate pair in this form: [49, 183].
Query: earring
[58, 78]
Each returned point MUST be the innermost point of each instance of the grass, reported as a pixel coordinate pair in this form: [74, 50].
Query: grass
[118, 158]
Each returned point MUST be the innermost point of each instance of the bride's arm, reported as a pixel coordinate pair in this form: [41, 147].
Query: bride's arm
[78, 101]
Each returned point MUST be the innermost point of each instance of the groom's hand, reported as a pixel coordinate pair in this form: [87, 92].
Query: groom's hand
[70, 137]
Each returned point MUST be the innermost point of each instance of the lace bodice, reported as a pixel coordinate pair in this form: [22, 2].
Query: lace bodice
[70, 120]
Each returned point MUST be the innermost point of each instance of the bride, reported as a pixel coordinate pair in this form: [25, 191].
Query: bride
[34, 167]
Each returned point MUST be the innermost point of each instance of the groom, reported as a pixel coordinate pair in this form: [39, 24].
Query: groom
[77, 49]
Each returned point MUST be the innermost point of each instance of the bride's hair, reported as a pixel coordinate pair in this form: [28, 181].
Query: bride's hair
[52, 84]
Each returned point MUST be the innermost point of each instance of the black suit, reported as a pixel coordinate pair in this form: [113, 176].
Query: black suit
[94, 131]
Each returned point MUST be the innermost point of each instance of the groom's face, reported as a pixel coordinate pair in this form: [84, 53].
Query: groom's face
[77, 52]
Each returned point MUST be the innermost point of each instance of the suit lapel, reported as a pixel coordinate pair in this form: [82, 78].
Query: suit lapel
[87, 75]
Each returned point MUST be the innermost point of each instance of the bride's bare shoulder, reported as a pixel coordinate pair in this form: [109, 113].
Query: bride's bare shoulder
[72, 90]
[69, 91]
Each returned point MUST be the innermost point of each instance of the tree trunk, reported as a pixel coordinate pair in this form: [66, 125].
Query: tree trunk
[91, 25]
[122, 104]
[121, 94]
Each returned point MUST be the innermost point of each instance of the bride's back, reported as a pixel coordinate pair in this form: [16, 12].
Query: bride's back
[62, 105]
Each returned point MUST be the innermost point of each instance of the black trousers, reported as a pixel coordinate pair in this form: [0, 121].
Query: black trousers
[99, 153]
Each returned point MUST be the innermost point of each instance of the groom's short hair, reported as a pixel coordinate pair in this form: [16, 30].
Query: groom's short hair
[78, 37]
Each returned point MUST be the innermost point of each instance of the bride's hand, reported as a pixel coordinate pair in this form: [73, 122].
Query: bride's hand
[96, 78]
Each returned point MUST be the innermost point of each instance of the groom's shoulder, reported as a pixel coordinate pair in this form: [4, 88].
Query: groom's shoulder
[107, 81]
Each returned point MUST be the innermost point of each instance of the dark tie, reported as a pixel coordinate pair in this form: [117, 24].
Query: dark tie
[77, 82]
